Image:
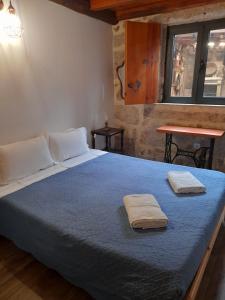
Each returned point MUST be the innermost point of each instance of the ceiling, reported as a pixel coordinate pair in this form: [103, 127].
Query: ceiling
[112, 11]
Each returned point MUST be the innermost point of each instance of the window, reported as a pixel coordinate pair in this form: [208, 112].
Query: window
[195, 63]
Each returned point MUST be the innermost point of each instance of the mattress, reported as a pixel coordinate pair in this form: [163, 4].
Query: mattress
[74, 222]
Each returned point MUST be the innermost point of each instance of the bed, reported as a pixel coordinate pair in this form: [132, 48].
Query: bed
[74, 222]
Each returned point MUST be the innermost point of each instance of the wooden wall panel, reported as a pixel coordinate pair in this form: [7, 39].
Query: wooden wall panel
[142, 62]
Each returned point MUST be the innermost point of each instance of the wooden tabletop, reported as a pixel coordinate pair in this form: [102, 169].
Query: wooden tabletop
[107, 131]
[191, 131]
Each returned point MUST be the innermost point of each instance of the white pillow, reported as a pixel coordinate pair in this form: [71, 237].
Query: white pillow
[24, 158]
[72, 129]
[68, 144]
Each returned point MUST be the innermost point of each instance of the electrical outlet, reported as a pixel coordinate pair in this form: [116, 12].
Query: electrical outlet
[196, 145]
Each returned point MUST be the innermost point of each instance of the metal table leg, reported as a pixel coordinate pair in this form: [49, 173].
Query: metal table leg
[167, 156]
[122, 138]
[93, 140]
[107, 143]
[211, 150]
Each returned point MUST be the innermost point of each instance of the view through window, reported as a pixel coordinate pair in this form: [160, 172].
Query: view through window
[214, 85]
[195, 71]
[184, 50]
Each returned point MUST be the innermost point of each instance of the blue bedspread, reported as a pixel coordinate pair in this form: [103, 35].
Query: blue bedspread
[75, 223]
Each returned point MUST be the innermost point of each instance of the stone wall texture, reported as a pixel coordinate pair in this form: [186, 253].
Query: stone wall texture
[140, 121]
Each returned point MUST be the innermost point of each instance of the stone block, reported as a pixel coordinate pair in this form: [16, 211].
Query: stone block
[127, 113]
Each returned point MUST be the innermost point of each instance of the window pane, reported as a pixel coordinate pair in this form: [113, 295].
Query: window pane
[184, 50]
[214, 80]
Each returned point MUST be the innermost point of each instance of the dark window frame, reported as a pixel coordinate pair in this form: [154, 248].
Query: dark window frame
[203, 29]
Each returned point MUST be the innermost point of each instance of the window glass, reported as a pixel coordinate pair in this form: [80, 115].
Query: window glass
[184, 52]
[214, 85]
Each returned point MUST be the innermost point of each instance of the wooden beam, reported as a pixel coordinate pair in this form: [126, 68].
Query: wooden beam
[110, 4]
[159, 7]
[83, 7]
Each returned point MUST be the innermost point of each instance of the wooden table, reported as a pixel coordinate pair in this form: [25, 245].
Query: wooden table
[199, 155]
[108, 132]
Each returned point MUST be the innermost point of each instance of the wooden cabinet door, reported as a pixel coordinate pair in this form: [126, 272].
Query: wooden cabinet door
[142, 62]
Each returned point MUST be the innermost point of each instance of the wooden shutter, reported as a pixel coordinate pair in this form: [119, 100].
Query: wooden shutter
[143, 41]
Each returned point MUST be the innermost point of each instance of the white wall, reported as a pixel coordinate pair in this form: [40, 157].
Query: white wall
[58, 75]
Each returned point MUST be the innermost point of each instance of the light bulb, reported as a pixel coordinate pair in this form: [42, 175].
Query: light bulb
[10, 26]
[222, 44]
[211, 44]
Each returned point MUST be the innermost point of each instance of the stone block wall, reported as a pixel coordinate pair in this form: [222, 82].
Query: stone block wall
[140, 121]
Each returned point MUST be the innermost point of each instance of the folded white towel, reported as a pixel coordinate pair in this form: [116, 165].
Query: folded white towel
[144, 211]
[184, 182]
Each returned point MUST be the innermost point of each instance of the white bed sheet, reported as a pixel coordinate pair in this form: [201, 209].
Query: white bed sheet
[41, 175]
[91, 154]
[9, 188]
[60, 167]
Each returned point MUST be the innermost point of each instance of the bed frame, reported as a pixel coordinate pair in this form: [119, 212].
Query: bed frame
[193, 290]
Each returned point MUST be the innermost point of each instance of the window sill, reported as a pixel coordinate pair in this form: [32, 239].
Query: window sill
[191, 104]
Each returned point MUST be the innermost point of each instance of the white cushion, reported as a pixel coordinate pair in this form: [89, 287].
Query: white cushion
[68, 144]
[24, 158]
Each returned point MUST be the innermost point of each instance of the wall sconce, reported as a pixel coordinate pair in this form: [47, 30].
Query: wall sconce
[11, 9]
[10, 24]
